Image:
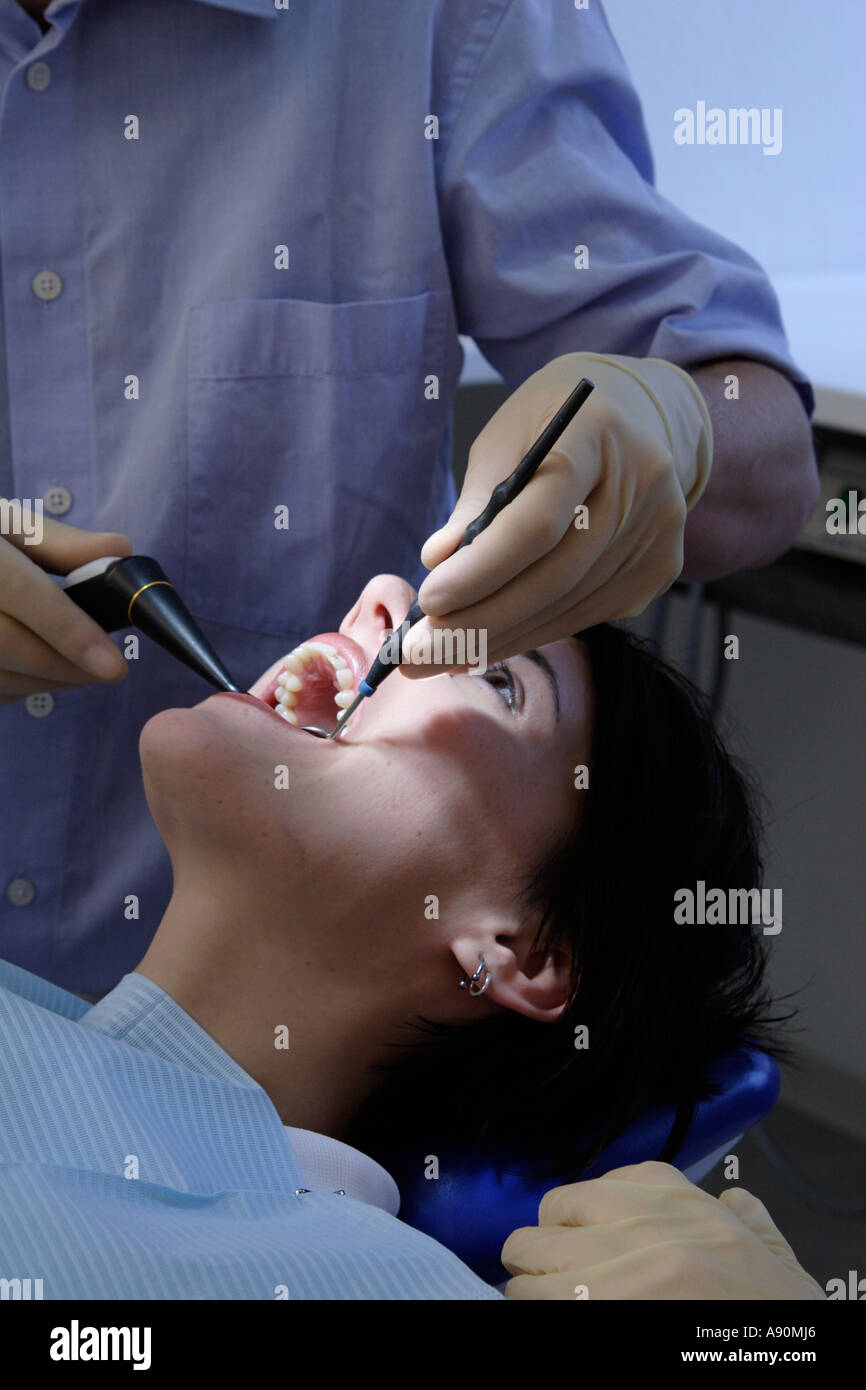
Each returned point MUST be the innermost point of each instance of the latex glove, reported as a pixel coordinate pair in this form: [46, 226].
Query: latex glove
[646, 1232]
[46, 641]
[637, 455]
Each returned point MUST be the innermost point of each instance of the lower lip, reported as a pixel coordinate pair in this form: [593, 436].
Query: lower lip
[268, 709]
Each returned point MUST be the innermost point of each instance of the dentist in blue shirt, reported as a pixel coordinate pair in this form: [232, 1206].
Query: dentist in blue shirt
[238, 242]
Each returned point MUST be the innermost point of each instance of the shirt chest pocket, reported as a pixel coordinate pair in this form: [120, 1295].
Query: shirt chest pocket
[322, 413]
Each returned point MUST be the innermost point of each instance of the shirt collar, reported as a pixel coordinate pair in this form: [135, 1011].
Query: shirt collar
[141, 1014]
[138, 1012]
[329, 1165]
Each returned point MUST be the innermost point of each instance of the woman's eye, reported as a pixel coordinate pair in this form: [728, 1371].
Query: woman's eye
[502, 680]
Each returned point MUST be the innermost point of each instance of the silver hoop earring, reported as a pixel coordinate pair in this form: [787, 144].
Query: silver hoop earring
[472, 981]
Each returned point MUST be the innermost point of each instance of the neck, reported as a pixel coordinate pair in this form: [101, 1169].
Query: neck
[308, 1032]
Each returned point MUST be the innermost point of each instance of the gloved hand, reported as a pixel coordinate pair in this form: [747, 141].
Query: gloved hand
[637, 456]
[46, 641]
[645, 1232]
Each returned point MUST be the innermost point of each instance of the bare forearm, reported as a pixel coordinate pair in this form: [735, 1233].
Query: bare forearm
[764, 482]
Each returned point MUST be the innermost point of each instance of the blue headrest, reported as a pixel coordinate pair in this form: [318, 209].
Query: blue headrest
[474, 1204]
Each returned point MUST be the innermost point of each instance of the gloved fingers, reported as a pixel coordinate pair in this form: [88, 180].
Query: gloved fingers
[752, 1212]
[506, 438]
[646, 1232]
[64, 548]
[533, 556]
[642, 1189]
[24, 653]
[558, 1249]
[548, 584]
[617, 599]
[583, 469]
[442, 543]
[612, 587]
[618, 578]
[650, 1173]
[603, 569]
[474, 496]
[663, 1271]
[526, 531]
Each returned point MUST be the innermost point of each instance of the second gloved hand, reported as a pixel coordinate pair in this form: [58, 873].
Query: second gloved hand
[645, 1232]
[598, 532]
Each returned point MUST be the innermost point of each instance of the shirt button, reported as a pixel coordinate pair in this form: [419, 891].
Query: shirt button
[38, 77]
[40, 704]
[47, 284]
[20, 892]
[57, 500]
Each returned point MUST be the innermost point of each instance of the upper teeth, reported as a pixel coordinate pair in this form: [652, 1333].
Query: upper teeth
[297, 663]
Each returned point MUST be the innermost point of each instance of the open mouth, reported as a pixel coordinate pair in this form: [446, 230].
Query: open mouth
[316, 682]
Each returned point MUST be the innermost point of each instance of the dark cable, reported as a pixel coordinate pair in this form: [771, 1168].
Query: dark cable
[720, 671]
[660, 621]
[693, 639]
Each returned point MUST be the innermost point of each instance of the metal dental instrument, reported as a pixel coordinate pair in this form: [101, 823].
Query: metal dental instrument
[502, 494]
[119, 592]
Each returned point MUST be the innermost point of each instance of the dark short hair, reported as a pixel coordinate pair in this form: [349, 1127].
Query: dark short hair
[666, 806]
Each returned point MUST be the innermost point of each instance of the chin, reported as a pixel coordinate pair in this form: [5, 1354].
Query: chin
[187, 764]
[164, 732]
[182, 751]
[209, 797]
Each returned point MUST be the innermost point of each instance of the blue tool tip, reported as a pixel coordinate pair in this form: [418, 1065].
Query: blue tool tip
[365, 689]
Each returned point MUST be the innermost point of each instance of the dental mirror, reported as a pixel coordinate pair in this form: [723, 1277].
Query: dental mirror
[321, 733]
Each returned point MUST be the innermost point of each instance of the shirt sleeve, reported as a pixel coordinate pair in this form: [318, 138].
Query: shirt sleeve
[543, 148]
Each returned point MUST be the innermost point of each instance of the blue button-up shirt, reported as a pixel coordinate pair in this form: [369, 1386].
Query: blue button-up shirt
[264, 229]
[138, 1160]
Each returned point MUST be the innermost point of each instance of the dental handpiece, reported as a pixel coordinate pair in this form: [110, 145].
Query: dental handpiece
[391, 651]
[118, 592]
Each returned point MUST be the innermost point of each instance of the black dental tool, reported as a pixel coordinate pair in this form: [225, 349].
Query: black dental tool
[119, 592]
[502, 494]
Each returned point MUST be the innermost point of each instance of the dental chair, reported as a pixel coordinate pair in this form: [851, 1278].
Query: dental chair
[475, 1204]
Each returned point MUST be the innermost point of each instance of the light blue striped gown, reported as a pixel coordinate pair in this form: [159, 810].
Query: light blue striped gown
[85, 1092]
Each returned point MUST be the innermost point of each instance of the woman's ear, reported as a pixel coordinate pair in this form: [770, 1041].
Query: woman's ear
[532, 981]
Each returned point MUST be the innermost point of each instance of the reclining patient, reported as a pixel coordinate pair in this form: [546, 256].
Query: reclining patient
[404, 928]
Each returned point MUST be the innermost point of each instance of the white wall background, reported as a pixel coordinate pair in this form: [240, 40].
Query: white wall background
[803, 210]
[801, 213]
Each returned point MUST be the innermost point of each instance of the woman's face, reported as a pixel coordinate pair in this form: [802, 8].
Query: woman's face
[446, 789]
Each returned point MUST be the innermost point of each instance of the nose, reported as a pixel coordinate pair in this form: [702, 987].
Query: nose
[381, 607]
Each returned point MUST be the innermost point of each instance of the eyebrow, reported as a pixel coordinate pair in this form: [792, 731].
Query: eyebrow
[542, 661]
